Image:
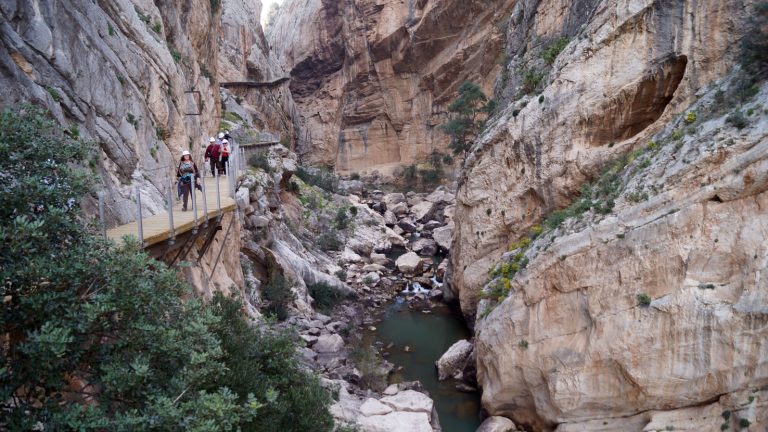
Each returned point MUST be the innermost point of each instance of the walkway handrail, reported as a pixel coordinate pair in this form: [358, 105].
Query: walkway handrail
[233, 168]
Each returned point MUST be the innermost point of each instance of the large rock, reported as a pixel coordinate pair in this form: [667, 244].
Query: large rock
[423, 211]
[410, 263]
[425, 247]
[329, 343]
[393, 199]
[453, 360]
[409, 400]
[396, 422]
[372, 407]
[497, 424]
[443, 236]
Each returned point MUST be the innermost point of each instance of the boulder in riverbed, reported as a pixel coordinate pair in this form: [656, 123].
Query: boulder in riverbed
[497, 424]
[410, 264]
[453, 360]
[443, 236]
[331, 343]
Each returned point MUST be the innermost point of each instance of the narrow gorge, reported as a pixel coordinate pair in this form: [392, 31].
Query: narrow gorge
[432, 215]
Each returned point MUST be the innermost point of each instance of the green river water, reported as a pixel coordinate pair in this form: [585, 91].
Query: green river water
[429, 336]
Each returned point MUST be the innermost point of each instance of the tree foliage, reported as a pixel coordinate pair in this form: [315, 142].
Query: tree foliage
[100, 338]
[467, 109]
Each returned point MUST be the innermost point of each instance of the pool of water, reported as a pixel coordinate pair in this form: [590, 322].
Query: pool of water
[429, 336]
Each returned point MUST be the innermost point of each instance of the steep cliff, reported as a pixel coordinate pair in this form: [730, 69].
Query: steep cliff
[641, 305]
[372, 78]
[136, 77]
[253, 82]
[626, 70]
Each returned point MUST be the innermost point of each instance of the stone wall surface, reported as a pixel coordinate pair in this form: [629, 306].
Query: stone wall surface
[372, 79]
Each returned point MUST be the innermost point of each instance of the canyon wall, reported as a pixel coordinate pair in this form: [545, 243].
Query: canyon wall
[645, 309]
[253, 83]
[372, 79]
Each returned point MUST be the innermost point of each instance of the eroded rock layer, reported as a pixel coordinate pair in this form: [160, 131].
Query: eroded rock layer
[372, 78]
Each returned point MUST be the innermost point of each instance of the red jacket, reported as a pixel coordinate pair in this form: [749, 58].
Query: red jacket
[212, 151]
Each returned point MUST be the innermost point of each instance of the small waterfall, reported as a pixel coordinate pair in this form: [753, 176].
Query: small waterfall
[415, 288]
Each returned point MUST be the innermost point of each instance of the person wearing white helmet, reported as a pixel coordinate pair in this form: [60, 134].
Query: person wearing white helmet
[186, 173]
[212, 154]
[224, 155]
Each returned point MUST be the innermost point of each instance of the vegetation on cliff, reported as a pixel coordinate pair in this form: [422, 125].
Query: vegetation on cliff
[101, 338]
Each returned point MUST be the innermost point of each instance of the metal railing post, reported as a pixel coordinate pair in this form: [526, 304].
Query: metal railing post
[172, 238]
[138, 216]
[101, 215]
[205, 201]
[218, 192]
[194, 204]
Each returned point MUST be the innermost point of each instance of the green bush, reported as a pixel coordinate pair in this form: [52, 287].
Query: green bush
[523, 344]
[342, 219]
[531, 80]
[321, 178]
[643, 300]
[341, 274]
[744, 423]
[259, 160]
[94, 322]
[554, 49]
[467, 110]
[355, 176]
[326, 297]
[737, 119]
[280, 296]
[329, 241]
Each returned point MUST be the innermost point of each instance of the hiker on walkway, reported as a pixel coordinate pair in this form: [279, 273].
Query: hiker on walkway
[224, 155]
[212, 154]
[187, 174]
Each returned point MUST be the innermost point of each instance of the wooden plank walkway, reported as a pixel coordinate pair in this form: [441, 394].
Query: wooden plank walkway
[157, 227]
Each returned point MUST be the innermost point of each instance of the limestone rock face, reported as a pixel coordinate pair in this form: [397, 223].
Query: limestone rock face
[120, 71]
[372, 78]
[497, 424]
[572, 346]
[628, 68]
[244, 56]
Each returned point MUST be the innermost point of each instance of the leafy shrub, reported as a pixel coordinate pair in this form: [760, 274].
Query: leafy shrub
[409, 173]
[259, 160]
[342, 219]
[329, 241]
[531, 80]
[341, 274]
[737, 119]
[174, 53]
[280, 296]
[523, 344]
[233, 117]
[323, 179]
[690, 117]
[354, 176]
[467, 111]
[326, 296]
[294, 188]
[554, 49]
[643, 300]
[744, 423]
[54, 93]
[157, 27]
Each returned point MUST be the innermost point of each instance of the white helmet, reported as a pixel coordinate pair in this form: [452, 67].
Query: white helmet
[225, 142]
[212, 139]
[184, 153]
[221, 135]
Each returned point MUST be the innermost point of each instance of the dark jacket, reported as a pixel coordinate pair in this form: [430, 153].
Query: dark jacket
[212, 151]
[194, 169]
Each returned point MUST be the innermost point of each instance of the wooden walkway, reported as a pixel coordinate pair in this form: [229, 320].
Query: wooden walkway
[157, 228]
